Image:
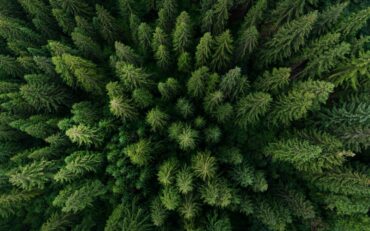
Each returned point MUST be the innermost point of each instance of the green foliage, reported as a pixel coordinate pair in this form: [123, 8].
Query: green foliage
[354, 22]
[184, 115]
[76, 198]
[182, 33]
[203, 53]
[196, 84]
[140, 153]
[32, 176]
[128, 216]
[157, 119]
[296, 104]
[78, 71]
[166, 172]
[78, 164]
[106, 24]
[255, 14]
[274, 80]
[184, 180]
[42, 94]
[321, 59]
[247, 42]
[350, 71]
[234, 84]
[251, 107]
[296, 152]
[11, 202]
[288, 39]
[327, 19]
[131, 76]
[85, 135]
[122, 108]
[223, 50]
[170, 198]
[204, 165]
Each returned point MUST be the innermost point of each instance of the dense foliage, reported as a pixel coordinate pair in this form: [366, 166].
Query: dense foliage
[208, 115]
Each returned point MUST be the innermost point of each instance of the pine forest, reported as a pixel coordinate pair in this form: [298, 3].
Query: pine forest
[185, 115]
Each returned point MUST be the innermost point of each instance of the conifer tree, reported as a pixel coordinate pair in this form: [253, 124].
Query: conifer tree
[247, 41]
[106, 24]
[42, 94]
[288, 39]
[223, 49]
[204, 50]
[182, 33]
[32, 176]
[78, 71]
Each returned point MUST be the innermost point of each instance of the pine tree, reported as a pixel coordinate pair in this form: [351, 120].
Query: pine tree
[106, 24]
[288, 39]
[157, 119]
[247, 42]
[184, 180]
[78, 71]
[204, 50]
[42, 94]
[76, 198]
[166, 172]
[287, 10]
[10, 66]
[169, 88]
[184, 62]
[41, 16]
[299, 101]
[144, 36]
[32, 176]
[125, 53]
[220, 15]
[251, 108]
[13, 30]
[204, 165]
[234, 84]
[327, 19]
[349, 72]
[320, 59]
[162, 56]
[196, 84]
[296, 152]
[223, 49]
[86, 45]
[140, 152]
[354, 22]
[122, 108]
[131, 76]
[78, 164]
[255, 14]
[274, 80]
[182, 33]
[85, 135]
[12, 201]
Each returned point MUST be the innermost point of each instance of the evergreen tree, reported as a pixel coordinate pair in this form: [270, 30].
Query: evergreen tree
[78, 71]
[288, 39]
[204, 50]
[32, 176]
[42, 94]
[223, 49]
[77, 164]
[182, 33]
